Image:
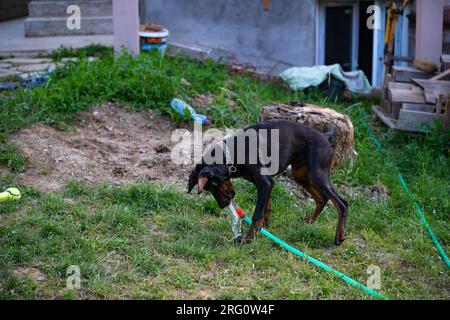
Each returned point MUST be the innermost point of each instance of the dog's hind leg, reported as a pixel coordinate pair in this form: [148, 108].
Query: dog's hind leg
[321, 182]
[301, 177]
[318, 172]
[320, 200]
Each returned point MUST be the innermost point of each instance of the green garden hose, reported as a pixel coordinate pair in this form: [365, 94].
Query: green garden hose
[411, 197]
[333, 271]
[317, 262]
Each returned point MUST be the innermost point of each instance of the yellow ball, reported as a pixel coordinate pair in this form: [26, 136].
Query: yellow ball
[14, 193]
[11, 194]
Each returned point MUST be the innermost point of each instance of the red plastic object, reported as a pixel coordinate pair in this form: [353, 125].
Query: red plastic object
[240, 213]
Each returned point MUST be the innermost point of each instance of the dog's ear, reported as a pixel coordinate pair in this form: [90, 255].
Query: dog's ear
[201, 183]
[193, 180]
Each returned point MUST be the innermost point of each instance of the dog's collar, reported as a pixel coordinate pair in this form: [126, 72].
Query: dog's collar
[228, 159]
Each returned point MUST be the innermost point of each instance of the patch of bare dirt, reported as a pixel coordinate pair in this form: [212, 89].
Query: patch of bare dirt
[14, 216]
[376, 192]
[205, 293]
[205, 100]
[109, 145]
[30, 272]
[294, 188]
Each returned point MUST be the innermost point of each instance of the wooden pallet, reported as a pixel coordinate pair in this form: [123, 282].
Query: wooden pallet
[433, 89]
[406, 74]
[408, 106]
[410, 119]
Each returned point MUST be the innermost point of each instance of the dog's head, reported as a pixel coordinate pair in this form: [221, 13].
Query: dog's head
[214, 178]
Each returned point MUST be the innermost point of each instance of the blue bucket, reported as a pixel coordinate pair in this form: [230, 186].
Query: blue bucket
[151, 40]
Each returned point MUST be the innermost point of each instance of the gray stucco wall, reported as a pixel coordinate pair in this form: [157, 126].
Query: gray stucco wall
[285, 35]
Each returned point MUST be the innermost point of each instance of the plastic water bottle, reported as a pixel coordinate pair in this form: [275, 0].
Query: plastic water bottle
[235, 221]
[180, 107]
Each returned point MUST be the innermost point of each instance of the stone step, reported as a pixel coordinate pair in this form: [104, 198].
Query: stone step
[57, 26]
[8, 74]
[59, 8]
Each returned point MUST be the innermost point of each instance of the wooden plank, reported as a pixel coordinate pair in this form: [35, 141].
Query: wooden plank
[406, 74]
[395, 109]
[419, 107]
[391, 123]
[441, 76]
[413, 120]
[439, 102]
[386, 106]
[404, 86]
[402, 96]
[434, 88]
[399, 93]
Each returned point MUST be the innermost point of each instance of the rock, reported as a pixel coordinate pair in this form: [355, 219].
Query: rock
[185, 83]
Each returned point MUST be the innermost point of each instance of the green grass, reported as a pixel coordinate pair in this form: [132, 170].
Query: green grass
[152, 241]
[93, 50]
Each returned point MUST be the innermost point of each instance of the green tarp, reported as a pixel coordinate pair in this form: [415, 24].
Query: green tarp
[300, 78]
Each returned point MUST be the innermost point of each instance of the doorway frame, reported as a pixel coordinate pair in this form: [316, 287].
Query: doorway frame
[321, 27]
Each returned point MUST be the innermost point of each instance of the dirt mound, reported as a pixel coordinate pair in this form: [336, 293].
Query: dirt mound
[110, 144]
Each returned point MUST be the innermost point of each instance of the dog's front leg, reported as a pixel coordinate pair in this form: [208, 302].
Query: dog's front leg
[264, 187]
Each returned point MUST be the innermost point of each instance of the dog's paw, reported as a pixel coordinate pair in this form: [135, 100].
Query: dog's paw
[339, 239]
[242, 240]
[309, 219]
[265, 224]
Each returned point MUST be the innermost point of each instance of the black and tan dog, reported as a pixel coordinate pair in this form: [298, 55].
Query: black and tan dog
[306, 150]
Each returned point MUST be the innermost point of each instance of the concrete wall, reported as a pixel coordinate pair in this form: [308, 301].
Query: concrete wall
[447, 27]
[11, 9]
[285, 34]
[429, 29]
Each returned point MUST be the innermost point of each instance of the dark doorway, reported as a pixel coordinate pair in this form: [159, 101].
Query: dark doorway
[338, 36]
[365, 40]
